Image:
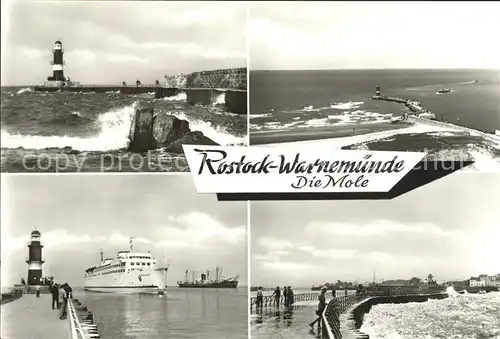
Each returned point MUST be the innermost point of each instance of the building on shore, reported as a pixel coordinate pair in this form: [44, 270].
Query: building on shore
[485, 280]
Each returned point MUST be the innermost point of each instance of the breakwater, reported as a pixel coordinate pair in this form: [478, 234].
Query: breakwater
[150, 131]
[233, 78]
[343, 319]
[235, 100]
[448, 125]
[97, 89]
[82, 324]
[272, 302]
[426, 117]
[11, 296]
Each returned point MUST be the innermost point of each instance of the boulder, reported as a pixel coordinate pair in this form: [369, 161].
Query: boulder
[167, 129]
[141, 130]
[191, 138]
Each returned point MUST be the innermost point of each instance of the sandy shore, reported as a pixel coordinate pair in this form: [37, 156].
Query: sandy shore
[318, 133]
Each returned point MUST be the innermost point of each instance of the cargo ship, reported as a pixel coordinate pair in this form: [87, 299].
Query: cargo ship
[204, 280]
[129, 272]
[443, 91]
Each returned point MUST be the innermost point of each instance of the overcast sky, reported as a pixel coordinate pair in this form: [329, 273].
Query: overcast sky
[366, 35]
[448, 228]
[114, 41]
[79, 215]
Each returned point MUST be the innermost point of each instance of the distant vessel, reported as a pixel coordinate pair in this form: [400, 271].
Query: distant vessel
[443, 91]
[205, 282]
[129, 272]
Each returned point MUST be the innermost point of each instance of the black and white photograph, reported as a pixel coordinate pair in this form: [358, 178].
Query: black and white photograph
[121, 257]
[423, 265]
[387, 76]
[120, 86]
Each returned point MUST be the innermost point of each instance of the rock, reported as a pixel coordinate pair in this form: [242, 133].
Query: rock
[167, 129]
[141, 130]
[191, 138]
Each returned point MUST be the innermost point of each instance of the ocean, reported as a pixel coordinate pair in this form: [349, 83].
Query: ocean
[89, 132]
[183, 313]
[461, 316]
[292, 106]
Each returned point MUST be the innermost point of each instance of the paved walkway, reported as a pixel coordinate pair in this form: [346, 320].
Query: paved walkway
[30, 317]
[284, 324]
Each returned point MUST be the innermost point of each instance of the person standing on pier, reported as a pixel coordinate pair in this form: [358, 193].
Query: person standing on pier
[54, 290]
[321, 307]
[290, 296]
[277, 296]
[69, 290]
[285, 295]
[260, 298]
[63, 299]
[38, 291]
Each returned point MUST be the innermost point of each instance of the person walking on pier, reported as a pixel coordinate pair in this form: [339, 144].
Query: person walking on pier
[63, 299]
[321, 307]
[260, 298]
[38, 291]
[54, 290]
[277, 296]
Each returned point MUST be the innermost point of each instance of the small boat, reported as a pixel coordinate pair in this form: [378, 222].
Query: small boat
[443, 91]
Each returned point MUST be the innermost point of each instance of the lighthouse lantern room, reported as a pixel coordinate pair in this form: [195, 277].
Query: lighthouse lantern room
[35, 260]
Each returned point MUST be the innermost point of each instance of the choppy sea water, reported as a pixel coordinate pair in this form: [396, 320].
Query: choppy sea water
[183, 313]
[468, 316]
[298, 106]
[89, 132]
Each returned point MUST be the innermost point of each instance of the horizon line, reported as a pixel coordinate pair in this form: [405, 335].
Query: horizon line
[371, 69]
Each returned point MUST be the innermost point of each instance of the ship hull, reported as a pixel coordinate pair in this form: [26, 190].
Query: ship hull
[209, 285]
[123, 289]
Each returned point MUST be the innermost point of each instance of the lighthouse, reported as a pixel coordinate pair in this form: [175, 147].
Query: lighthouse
[377, 91]
[35, 260]
[57, 63]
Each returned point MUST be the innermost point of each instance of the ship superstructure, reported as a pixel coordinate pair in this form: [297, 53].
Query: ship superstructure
[130, 271]
[205, 281]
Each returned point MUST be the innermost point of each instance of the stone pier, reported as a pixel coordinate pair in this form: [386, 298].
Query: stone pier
[31, 317]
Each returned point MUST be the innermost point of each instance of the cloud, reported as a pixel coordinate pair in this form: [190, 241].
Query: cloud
[33, 53]
[329, 253]
[377, 227]
[313, 35]
[274, 243]
[113, 57]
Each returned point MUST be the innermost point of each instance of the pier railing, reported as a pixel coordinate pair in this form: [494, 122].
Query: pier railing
[81, 321]
[332, 312]
[272, 302]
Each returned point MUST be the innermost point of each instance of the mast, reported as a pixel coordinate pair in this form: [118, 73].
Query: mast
[131, 245]
[186, 278]
[102, 256]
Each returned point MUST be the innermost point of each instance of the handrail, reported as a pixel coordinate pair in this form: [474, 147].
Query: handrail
[326, 330]
[81, 321]
[270, 301]
[74, 322]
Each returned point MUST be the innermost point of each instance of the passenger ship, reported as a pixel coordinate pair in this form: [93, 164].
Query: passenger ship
[129, 272]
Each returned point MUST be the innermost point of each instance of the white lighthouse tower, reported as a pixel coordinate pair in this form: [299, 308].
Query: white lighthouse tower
[35, 260]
